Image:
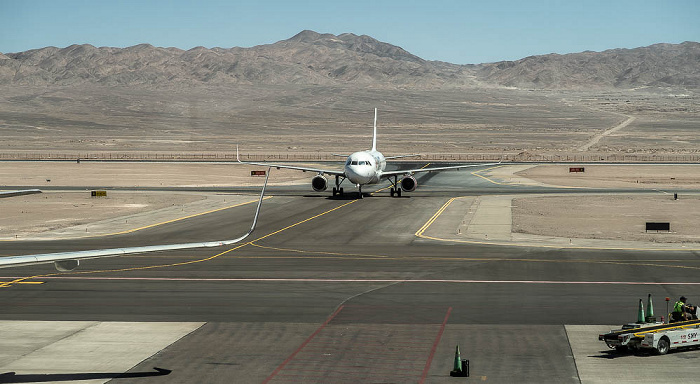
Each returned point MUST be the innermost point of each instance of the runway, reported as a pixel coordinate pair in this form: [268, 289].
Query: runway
[341, 290]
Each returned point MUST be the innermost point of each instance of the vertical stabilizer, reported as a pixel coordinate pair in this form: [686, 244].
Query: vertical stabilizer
[374, 136]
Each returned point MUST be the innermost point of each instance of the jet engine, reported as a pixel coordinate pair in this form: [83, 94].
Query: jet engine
[409, 183]
[319, 183]
[66, 265]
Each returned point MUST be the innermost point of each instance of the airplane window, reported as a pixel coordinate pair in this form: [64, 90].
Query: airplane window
[353, 163]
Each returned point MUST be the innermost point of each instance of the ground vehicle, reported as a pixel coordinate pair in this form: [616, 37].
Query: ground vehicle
[647, 333]
[658, 336]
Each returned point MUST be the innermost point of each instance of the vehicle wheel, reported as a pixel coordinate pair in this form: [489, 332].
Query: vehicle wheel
[663, 346]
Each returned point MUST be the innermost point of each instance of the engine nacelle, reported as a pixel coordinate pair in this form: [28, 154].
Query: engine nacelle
[66, 265]
[319, 183]
[409, 183]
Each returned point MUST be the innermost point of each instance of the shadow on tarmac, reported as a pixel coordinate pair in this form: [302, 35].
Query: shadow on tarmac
[12, 377]
[612, 354]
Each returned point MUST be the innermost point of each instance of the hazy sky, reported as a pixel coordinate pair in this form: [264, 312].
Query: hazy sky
[457, 31]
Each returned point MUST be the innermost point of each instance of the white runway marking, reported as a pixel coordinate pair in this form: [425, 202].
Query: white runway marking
[319, 280]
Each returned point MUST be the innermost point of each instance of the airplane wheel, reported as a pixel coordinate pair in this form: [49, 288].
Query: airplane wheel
[340, 191]
[335, 191]
[391, 192]
[398, 192]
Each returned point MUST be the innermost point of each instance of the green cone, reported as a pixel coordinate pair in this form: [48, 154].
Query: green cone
[640, 313]
[650, 307]
[458, 361]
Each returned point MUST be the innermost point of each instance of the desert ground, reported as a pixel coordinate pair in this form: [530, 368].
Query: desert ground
[612, 216]
[301, 121]
[616, 217]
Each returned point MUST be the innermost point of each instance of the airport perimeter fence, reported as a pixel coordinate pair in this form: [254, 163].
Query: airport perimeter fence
[311, 157]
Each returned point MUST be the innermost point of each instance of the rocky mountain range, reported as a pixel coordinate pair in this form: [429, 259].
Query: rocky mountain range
[310, 58]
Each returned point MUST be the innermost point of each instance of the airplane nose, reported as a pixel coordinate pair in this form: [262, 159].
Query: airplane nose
[358, 175]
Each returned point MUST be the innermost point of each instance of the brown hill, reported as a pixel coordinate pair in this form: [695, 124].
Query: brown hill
[659, 65]
[307, 58]
[324, 59]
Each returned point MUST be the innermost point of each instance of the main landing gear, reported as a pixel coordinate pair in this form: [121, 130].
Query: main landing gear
[337, 191]
[395, 190]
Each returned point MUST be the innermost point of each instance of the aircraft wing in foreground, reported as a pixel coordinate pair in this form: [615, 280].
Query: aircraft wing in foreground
[68, 261]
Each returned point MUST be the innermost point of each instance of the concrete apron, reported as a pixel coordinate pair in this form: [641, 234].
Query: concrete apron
[87, 351]
[597, 364]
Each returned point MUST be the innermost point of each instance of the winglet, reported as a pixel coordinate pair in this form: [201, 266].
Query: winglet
[374, 137]
[257, 210]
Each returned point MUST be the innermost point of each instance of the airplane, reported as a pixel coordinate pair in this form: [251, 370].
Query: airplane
[365, 168]
[68, 261]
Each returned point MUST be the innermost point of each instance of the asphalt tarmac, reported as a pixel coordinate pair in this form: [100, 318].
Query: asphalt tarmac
[340, 290]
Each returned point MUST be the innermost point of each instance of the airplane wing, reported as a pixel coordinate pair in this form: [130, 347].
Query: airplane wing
[400, 156]
[433, 169]
[66, 261]
[298, 168]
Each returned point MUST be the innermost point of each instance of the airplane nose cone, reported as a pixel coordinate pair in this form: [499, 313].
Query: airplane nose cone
[358, 175]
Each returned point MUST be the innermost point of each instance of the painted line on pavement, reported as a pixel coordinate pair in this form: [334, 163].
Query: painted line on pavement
[306, 342]
[321, 280]
[434, 348]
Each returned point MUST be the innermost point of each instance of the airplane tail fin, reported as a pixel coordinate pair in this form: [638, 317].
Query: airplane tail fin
[374, 137]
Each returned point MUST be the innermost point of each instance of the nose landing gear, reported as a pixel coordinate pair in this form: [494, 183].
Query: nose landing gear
[337, 191]
[395, 190]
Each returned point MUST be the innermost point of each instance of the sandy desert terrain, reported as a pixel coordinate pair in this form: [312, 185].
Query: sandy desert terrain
[616, 217]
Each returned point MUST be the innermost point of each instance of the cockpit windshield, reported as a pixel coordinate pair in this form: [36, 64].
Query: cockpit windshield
[358, 162]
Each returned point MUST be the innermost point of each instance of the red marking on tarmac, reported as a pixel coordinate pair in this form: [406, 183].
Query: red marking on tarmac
[312, 280]
[358, 352]
[307, 341]
[435, 344]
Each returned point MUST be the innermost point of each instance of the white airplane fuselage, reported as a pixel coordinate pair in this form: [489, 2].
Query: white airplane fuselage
[365, 167]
